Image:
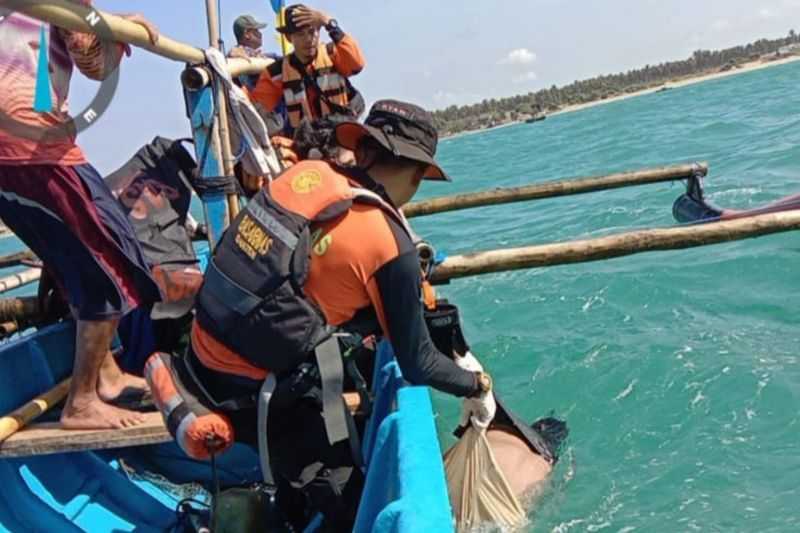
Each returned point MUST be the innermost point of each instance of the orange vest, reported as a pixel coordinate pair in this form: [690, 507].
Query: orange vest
[333, 86]
[251, 302]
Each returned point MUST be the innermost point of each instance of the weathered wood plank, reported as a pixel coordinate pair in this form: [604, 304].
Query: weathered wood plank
[50, 437]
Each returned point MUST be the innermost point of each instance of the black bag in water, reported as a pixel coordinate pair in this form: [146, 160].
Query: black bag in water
[444, 325]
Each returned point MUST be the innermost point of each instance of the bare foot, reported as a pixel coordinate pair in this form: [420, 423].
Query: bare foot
[110, 389]
[95, 414]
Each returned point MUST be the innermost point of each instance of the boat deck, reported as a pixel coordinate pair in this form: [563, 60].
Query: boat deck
[50, 437]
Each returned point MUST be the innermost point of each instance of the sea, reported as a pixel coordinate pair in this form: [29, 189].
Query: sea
[678, 372]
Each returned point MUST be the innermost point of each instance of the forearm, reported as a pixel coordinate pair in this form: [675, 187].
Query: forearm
[428, 366]
[347, 57]
[94, 58]
[420, 361]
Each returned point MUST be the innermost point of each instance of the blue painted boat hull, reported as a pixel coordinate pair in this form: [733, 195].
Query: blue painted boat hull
[88, 491]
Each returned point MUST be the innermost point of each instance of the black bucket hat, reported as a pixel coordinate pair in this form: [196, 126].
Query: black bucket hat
[288, 20]
[404, 129]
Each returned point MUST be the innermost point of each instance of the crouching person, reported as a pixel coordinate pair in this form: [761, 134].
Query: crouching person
[317, 264]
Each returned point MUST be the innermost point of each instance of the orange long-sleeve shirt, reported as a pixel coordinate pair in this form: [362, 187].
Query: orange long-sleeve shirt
[348, 60]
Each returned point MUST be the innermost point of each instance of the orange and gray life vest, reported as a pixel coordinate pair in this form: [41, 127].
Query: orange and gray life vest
[252, 298]
[324, 78]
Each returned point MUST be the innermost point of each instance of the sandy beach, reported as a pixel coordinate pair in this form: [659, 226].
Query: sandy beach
[672, 84]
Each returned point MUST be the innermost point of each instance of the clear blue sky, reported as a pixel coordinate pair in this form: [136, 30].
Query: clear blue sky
[439, 53]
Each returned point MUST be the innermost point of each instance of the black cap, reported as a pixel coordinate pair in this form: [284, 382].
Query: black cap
[246, 22]
[404, 129]
[288, 20]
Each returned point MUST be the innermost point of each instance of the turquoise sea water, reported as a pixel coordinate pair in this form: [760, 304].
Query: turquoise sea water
[678, 372]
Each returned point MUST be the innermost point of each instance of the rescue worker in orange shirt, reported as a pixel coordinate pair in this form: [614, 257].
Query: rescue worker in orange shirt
[317, 263]
[312, 80]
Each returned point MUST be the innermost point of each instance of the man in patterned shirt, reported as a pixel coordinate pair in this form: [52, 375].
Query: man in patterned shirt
[58, 205]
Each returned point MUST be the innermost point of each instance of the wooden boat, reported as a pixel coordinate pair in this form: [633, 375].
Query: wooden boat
[138, 479]
[536, 118]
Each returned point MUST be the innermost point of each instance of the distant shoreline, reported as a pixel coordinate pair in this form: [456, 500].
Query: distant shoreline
[672, 84]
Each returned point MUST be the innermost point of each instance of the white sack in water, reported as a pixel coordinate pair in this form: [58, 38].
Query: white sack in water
[479, 492]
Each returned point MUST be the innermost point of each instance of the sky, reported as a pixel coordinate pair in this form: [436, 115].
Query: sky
[436, 53]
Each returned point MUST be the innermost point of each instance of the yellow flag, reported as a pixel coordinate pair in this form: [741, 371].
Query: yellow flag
[280, 20]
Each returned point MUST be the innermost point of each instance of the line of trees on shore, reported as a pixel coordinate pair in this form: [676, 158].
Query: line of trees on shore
[494, 112]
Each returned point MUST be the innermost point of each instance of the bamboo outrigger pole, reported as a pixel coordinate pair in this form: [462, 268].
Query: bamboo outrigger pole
[222, 108]
[19, 309]
[17, 258]
[16, 420]
[78, 17]
[623, 244]
[553, 189]
[20, 279]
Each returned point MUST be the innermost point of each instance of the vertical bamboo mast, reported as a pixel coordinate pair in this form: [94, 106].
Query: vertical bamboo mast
[221, 137]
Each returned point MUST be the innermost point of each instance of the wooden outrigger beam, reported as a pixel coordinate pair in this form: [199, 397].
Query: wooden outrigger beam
[23, 309]
[48, 437]
[634, 242]
[78, 17]
[17, 258]
[20, 279]
[553, 189]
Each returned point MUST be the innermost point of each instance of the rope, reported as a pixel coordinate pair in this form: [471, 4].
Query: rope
[186, 491]
[216, 186]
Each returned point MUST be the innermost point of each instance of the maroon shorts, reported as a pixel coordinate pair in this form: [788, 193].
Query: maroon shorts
[71, 221]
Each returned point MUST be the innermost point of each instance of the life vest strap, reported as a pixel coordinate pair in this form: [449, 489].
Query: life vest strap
[264, 398]
[231, 405]
[331, 372]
